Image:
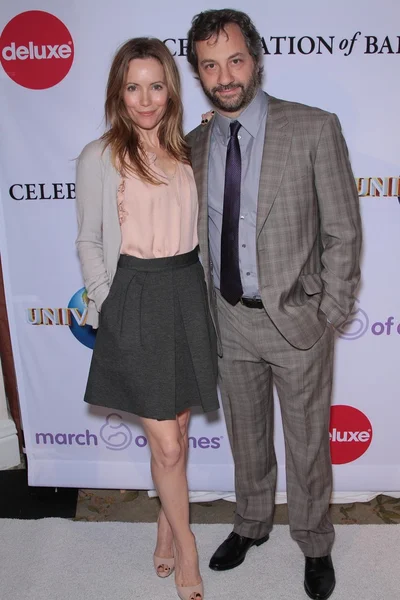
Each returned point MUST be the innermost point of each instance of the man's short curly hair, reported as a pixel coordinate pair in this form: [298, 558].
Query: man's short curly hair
[212, 22]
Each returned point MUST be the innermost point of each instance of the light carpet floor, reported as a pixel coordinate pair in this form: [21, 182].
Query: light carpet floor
[57, 559]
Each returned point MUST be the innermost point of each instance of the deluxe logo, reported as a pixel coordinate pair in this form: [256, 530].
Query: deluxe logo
[37, 50]
[350, 434]
[43, 53]
[74, 316]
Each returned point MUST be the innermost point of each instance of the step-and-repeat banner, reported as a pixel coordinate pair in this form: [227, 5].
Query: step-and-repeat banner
[55, 61]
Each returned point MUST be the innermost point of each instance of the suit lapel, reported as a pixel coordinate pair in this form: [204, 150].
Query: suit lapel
[200, 152]
[278, 138]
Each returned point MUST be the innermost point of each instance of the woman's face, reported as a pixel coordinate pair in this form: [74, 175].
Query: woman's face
[145, 92]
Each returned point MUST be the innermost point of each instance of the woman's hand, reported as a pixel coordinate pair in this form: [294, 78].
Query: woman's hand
[207, 117]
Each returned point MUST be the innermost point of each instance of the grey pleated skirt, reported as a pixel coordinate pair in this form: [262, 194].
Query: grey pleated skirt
[155, 353]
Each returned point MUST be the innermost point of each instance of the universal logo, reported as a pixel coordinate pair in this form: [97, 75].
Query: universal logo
[73, 316]
[378, 186]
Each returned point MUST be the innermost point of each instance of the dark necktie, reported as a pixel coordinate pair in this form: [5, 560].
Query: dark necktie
[230, 283]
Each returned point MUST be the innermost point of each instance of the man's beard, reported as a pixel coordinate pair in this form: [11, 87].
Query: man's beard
[233, 105]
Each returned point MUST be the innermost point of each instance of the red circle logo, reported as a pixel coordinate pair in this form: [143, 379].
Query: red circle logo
[36, 50]
[350, 434]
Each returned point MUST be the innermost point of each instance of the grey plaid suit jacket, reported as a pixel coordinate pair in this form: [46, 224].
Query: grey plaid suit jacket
[308, 221]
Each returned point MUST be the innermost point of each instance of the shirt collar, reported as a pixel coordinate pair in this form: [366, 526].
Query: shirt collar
[250, 119]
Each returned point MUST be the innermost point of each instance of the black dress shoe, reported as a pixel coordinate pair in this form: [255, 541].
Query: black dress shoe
[232, 551]
[319, 577]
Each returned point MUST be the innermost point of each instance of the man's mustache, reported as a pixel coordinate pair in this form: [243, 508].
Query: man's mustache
[225, 88]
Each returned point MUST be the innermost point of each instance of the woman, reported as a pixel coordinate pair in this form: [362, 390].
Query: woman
[155, 351]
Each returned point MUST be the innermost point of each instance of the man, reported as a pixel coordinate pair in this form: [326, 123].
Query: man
[280, 235]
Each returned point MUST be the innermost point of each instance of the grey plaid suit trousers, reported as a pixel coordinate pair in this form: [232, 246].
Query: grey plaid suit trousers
[256, 355]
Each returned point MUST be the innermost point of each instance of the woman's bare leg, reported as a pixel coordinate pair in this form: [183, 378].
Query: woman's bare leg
[165, 538]
[169, 450]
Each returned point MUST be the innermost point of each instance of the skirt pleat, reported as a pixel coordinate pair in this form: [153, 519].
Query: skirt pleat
[155, 353]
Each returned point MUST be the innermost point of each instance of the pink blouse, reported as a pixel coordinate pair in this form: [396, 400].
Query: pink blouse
[158, 220]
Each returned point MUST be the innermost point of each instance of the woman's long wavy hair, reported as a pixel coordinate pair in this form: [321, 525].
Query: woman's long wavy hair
[122, 135]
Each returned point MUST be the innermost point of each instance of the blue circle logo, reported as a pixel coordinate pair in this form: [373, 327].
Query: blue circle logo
[78, 307]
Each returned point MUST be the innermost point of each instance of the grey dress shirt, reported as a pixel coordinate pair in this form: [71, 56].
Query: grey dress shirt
[251, 140]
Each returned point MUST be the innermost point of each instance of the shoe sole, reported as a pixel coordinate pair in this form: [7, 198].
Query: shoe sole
[319, 597]
[241, 560]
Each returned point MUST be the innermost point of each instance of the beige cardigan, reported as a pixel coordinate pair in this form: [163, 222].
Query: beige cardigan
[99, 234]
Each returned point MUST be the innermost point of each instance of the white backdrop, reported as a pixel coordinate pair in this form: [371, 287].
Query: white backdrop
[337, 56]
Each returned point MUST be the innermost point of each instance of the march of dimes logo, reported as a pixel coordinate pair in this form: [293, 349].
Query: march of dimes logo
[358, 324]
[73, 316]
[116, 436]
[36, 50]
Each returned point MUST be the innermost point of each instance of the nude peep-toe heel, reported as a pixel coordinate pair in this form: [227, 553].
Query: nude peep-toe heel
[191, 592]
[163, 566]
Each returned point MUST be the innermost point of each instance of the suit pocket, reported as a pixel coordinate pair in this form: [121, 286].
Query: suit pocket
[312, 283]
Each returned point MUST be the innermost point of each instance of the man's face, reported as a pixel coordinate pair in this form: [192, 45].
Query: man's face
[227, 71]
